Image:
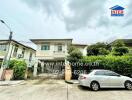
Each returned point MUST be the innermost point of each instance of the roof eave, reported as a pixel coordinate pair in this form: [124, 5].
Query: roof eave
[20, 44]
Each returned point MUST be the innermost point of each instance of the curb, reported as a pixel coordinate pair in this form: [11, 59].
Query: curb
[10, 83]
[71, 82]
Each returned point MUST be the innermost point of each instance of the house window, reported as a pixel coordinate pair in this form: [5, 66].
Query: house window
[45, 47]
[59, 47]
[3, 47]
[15, 51]
[30, 57]
[23, 52]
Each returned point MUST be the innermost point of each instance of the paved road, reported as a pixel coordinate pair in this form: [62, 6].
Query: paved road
[57, 90]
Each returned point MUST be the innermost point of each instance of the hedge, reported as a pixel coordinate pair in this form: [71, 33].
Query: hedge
[119, 64]
[0, 64]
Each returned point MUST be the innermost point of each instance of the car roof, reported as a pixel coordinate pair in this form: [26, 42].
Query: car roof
[100, 70]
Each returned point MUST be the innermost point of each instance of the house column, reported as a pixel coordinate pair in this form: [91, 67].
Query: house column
[66, 54]
[35, 68]
[42, 66]
[1, 71]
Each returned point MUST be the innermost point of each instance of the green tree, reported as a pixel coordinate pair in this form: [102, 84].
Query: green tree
[98, 49]
[103, 51]
[119, 48]
[74, 54]
[118, 43]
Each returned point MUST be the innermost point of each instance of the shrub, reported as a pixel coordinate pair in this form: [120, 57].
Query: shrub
[120, 51]
[119, 64]
[11, 64]
[19, 69]
[0, 63]
[75, 55]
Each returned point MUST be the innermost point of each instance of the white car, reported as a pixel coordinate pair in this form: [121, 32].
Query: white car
[97, 79]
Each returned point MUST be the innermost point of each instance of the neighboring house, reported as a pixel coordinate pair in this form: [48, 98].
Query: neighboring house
[82, 48]
[51, 53]
[18, 51]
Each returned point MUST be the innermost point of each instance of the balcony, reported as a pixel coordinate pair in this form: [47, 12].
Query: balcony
[55, 52]
[59, 54]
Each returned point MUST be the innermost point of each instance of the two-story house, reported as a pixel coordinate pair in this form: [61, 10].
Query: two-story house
[51, 53]
[17, 50]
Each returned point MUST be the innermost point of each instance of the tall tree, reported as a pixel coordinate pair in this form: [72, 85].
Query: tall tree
[98, 49]
[74, 54]
[119, 48]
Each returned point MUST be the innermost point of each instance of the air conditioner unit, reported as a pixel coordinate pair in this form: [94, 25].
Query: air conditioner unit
[29, 65]
[20, 55]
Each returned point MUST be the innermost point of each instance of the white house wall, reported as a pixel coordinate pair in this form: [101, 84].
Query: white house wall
[52, 53]
[19, 51]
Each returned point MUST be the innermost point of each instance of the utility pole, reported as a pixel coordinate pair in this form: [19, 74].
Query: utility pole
[6, 59]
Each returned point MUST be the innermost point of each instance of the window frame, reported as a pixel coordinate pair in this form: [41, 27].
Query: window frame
[103, 74]
[59, 49]
[46, 48]
[114, 73]
[23, 52]
[15, 51]
[30, 56]
[3, 47]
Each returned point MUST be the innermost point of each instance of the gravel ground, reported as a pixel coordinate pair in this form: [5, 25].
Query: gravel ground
[59, 90]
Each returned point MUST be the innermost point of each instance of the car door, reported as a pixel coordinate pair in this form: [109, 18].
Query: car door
[104, 81]
[114, 79]
[102, 78]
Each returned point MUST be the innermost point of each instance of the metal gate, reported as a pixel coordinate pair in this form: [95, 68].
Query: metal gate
[53, 68]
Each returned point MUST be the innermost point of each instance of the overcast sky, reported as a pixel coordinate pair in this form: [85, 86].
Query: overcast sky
[86, 21]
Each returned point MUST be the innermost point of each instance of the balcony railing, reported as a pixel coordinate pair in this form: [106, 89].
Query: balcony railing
[59, 52]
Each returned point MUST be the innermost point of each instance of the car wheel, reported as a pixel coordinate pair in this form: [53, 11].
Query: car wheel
[95, 86]
[128, 85]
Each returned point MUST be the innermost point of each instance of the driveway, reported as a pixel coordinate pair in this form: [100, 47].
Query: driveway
[59, 90]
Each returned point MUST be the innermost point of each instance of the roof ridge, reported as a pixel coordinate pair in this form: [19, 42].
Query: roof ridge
[116, 7]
